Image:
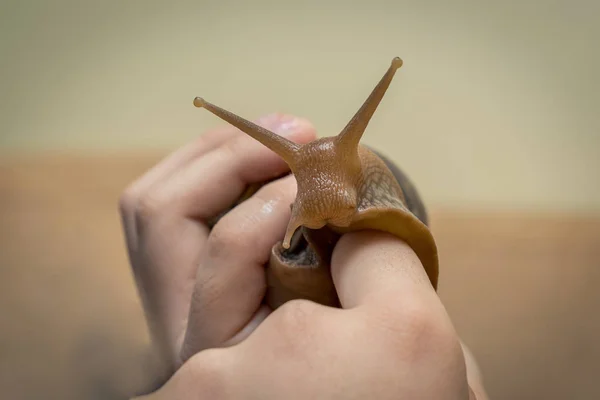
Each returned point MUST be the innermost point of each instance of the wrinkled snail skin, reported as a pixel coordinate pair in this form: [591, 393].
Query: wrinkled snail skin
[343, 187]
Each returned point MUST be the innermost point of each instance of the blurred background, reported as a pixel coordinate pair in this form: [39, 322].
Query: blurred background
[494, 115]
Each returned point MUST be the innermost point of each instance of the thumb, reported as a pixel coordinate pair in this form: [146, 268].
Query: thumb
[370, 266]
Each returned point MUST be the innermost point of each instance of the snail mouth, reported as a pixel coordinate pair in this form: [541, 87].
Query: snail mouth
[297, 244]
[299, 253]
[308, 247]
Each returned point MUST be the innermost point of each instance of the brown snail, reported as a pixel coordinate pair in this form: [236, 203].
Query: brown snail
[343, 186]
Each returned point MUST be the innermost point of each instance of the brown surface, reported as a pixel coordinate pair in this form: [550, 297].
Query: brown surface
[520, 288]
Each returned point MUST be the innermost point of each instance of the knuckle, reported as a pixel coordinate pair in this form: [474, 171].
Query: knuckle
[149, 205]
[142, 204]
[420, 328]
[227, 237]
[206, 371]
[296, 310]
[232, 149]
[294, 318]
[128, 199]
[299, 325]
[419, 318]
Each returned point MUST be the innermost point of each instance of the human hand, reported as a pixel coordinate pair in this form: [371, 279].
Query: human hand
[202, 290]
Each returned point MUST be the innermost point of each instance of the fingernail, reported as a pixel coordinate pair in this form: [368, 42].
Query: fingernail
[282, 124]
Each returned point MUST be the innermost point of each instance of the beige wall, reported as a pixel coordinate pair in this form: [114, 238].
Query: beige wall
[497, 105]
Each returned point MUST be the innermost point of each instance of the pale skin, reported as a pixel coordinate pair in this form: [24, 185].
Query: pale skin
[203, 290]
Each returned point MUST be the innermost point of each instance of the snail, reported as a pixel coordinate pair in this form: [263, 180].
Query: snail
[343, 186]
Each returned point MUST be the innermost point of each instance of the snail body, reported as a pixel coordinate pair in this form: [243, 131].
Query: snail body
[343, 186]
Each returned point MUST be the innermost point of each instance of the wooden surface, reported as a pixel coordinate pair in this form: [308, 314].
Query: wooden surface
[521, 288]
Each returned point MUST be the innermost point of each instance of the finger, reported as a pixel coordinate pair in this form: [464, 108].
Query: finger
[210, 184]
[230, 283]
[170, 242]
[209, 141]
[379, 277]
[370, 265]
[179, 158]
